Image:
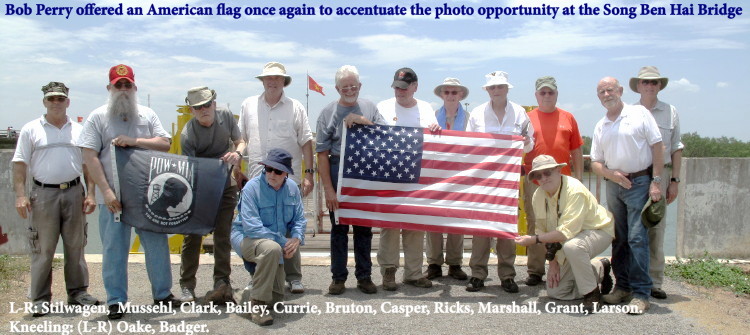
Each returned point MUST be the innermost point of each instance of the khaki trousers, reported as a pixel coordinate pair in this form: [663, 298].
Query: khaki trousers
[534, 252]
[579, 274]
[480, 256]
[413, 244]
[268, 280]
[656, 238]
[454, 249]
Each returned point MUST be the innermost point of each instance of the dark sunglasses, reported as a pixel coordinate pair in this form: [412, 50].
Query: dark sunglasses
[450, 92]
[203, 106]
[538, 174]
[56, 98]
[276, 171]
[126, 84]
[550, 93]
[650, 82]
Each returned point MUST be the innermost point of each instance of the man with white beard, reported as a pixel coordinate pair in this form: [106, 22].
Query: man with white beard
[122, 122]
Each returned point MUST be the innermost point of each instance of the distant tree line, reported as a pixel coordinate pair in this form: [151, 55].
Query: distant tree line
[697, 146]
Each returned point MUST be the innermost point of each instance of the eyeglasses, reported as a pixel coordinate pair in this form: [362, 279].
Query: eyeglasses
[56, 98]
[538, 174]
[353, 88]
[126, 84]
[203, 106]
[650, 82]
[550, 93]
[450, 92]
[276, 171]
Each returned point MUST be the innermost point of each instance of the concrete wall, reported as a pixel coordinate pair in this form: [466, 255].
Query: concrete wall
[714, 208]
[10, 223]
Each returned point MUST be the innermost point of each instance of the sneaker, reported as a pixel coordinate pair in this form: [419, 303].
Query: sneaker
[475, 284]
[590, 298]
[658, 293]
[115, 312]
[40, 308]
[249, 284]
[82, 298]
[617, 296]
[337, 287]
[257, 317]
[367, 286]
[169, 300]
[221, 294]
[533, 280]
[389, 279]
[187, 295]
[509, 285]
[455, 272]
[434, 271]
[638, 306]
[295, 286]
[421, 282]
[607, 279]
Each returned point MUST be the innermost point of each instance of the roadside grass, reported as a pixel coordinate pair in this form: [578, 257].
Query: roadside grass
[707, 271]
[13, 268]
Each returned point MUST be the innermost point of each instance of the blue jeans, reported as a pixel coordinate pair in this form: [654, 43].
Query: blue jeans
[630, 252]
[340, 243]
[116, 244]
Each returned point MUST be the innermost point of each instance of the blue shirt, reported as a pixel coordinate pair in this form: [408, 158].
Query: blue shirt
[268, 213]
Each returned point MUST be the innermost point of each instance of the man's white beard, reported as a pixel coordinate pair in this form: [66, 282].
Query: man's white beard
[123, 104]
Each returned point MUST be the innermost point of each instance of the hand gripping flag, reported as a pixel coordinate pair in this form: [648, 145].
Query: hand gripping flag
[412, 178]
[168, 193]
[311, 84]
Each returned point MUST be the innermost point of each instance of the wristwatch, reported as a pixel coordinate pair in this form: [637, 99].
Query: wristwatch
[537, 239]
[239, 153]
[656, 179]
[309, 170]
[675, 179]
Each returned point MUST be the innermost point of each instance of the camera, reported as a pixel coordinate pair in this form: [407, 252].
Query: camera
[552, 249]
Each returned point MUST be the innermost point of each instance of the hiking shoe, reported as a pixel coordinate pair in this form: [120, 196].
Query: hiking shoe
[187, 295]
[169, 300]
[638, 306]
[296, 287]
[115, 312]
[617, 296]
[509, 285]
[658, 293]
[434, 271]
[221, 294]
[82, 298]
[475, 284]
[367, 286]
[337, 287]
[261, 318]
[40, 308]
[606, 279]
[455, 272]
[389, 279]
[590, 298]
[533, 280]
[421, 282]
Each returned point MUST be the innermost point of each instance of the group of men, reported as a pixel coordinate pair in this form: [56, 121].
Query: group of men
[274, 135]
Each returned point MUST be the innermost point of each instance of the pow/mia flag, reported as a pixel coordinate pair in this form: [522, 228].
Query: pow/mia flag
[168, 193]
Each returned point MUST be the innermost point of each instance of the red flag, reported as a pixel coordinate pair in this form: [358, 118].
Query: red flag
[411, 178]
[314, 86]
[80, 119]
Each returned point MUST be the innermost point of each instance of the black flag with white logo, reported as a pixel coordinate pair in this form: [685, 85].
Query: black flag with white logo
[168, 193]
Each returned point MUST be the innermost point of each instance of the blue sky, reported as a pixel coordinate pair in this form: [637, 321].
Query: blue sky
[705, 58]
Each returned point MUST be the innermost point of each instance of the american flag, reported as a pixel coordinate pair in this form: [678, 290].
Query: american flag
[413, 178]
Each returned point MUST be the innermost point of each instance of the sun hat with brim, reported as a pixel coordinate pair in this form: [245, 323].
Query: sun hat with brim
[279, 159]
[648, 73]
[55, 88]
[653, 212]
[199, 95]
[451, 82]
[497, 78]
[275, 69]
[544, 162]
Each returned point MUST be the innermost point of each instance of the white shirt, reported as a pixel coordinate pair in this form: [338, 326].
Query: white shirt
[625, 143]
[484, 120]
[420, 115]
[50, 152]
[669, 126]
[283, 125]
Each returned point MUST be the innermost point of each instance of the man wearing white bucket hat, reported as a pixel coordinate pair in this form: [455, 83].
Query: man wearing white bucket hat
[273, 120]
[649, 83]
[497, 116]
[451, 116]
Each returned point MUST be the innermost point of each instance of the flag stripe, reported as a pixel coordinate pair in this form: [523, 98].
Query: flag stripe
[430, 194]
[466, 134]
[431, 228]
[472, 149]
[470, 181]
[460, 166]
[428, 211]
[375, 185]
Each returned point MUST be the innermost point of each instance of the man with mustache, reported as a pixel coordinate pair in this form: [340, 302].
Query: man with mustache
[123, 122]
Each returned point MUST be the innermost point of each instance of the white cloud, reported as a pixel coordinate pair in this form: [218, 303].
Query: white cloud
[684, 85]
[722, 84]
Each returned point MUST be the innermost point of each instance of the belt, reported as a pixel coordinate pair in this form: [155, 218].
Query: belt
[644, 172]
[62, 186]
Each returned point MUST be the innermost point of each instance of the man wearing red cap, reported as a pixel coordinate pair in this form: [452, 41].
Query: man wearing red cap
[125, 123]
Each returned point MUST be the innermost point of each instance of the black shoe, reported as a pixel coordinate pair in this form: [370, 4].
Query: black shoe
[509, 285]
[475, 284]
[40, 308]
[591, 298]
[533, 280]
[455, 272]
[658, 293]
[367, 286]
[434, 271]
[169, 300]
[607, 280]
[115, 312]
[337, 287]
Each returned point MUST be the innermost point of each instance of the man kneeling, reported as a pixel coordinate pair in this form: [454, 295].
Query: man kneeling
[270, 209]
[575, 229]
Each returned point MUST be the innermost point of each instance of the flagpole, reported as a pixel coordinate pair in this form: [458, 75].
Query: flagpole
[307, 94]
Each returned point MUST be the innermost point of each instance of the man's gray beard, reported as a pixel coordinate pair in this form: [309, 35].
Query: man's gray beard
[123, 104]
